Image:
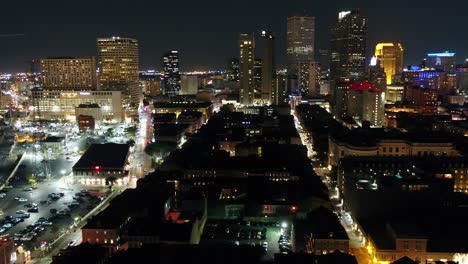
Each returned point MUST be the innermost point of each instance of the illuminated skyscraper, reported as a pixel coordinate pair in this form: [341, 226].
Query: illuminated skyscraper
[171, 78]
[246, 68]
[300, 50]
[68, 73]
[445, 61]
[268, 66]
[118, 62]
[348, 46]
[390, 56]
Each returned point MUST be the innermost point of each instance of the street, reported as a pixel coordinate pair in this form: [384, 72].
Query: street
[356, 240]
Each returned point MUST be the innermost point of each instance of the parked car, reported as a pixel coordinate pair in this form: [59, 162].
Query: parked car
[33, 210]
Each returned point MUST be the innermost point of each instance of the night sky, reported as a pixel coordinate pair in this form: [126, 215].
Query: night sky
[205, 32]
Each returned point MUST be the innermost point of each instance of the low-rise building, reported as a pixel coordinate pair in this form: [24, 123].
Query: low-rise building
[389, 143]
[85, 123]
[61, 105]
[93, 110]
[205, 108]
[7, 251]
[53, 143]
[320, 233]
[102, 161]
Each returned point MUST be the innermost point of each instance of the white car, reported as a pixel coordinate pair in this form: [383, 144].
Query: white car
[22, 200]
[2, 195]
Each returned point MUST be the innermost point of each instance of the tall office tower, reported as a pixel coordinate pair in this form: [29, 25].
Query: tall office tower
[314, 79]
[257, 74]
[68, 73]
[118, 62]
[233, 70]
[445, 61]
[300, 51]
[246, 68]
[268, 66]
[348, 46]
[171, 77]
[324, 62]
[390, 56]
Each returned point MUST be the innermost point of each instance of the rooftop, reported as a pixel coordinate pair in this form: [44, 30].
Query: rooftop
[109, 155]
[51, 139]
[182, 104]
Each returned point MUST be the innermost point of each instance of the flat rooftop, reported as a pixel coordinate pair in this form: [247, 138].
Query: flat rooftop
[108, 155]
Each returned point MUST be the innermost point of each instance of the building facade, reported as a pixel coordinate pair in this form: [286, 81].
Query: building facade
[444, 61]
[314, 79]
[69, 73]
[348, 46]
[188, 84]
[61, 105]
[390, 56]
[171, 78]
[246, 69]
[300, 50]
[119, 63]
[268, 66]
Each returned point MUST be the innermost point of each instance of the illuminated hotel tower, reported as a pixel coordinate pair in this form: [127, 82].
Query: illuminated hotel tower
[69, 73]
[390, 56]
[118, 62]
[246, 68]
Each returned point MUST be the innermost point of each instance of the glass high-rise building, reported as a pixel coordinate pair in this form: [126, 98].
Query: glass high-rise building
[246, 69]
[348, 46]
[268, 66]
[390, 56]
[118, 63]
[300, 50]
[171, 78]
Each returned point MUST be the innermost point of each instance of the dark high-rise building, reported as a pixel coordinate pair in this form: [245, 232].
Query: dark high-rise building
[300, 51]
[246, 68]
[324, 61]
[268, 66]
[233, 70]
[171, 74]
[348, 46]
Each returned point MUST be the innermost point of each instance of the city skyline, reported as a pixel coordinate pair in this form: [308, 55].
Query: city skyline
[57, 30]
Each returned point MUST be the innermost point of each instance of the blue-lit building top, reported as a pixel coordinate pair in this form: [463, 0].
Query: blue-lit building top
[441, 54]
[444, 61]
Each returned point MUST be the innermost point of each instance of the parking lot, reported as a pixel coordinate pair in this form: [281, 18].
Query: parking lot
[40, 214]
[272, 237]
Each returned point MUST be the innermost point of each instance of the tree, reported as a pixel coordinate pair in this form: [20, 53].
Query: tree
[111, 132]
[131, 131]
[131, 142]
[160, 148]
[30, 178]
